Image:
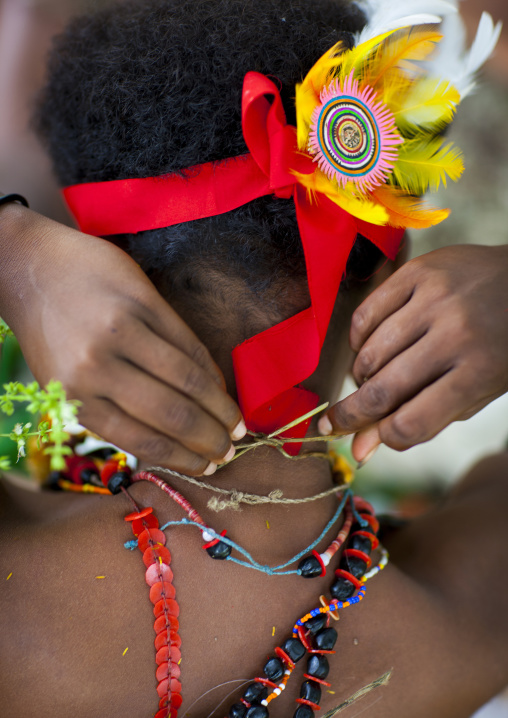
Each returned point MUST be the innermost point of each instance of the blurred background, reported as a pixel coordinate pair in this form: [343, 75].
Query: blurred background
[407, 483]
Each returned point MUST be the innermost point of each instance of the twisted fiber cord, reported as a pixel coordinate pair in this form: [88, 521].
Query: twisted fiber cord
[235, 498]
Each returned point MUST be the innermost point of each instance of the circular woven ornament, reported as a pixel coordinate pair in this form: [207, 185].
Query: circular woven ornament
[353, 137]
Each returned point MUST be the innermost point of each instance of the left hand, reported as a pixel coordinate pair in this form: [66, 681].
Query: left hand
[432, 344]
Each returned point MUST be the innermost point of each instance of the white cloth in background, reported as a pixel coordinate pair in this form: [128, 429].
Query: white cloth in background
[498, 708]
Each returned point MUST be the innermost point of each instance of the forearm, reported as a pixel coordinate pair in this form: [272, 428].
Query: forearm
[22, 239]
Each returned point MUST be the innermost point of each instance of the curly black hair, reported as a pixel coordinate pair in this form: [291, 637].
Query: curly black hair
[150, 87]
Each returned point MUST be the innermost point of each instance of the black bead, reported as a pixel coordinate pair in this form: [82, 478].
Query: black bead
[219, 551]
[294, 649]
[355, 565]
[310, 567]
[361, 543]
[318, 666]
[90, 476]
[303, 711]
[274, 669]
[53, 479]
[326, 639]
[117, 480]
[255, 693]
[311, 691]
[342, 588]
[237, 710]
[316, 623]
[358, 527]
[257, 712]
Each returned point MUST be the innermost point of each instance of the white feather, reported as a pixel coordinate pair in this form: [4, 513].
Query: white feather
[453, 63]
[385, 15]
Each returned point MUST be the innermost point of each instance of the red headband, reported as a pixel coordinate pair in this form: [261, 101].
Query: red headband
[270, 365]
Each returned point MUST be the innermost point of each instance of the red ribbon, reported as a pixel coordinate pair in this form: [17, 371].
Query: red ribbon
[269, 365]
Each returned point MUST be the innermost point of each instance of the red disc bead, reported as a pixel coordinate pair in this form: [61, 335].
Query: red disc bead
[320, 560]
[372, 521]
[266, 682]
[358, 554]
[162, 672]
[158, 572]
[318, 680]
[110, 467]
[148, 522]
[164, 590]
[152, 555]
[162, 688]
[162, 608]
[148, 537]
[162, 639]
[305, 702]
[340, 573]
[285, 658]
[175, 671]
[164, 653]
[176, 700]
[161, 624]
[139, 514]
[368, 535]
[172, 608]
[163, 713]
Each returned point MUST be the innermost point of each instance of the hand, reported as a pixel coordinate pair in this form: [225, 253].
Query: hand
[432, 344]
[85, 314]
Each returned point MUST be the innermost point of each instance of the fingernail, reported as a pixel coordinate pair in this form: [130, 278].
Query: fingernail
[367, 458]
[229, 455]
[325, 427]
[211, 469]
[239, 432]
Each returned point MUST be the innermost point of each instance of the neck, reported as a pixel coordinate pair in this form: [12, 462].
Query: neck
[272, 531]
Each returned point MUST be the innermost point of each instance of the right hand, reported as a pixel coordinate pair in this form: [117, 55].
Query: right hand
[85, 314]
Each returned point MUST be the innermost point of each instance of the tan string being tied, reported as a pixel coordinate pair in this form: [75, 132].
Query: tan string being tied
[340, 467]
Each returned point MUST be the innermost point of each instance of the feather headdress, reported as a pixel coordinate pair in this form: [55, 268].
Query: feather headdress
[373, 116]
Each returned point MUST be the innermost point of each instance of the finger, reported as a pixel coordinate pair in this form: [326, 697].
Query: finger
[391, 296]
[111, 423]
[169, 413]
[365, 444]
[170, 365]
[166, 323]
[391, 387]
[393, 336]
[438, 405]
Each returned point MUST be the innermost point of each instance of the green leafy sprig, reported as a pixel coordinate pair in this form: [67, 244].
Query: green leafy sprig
[50, 402]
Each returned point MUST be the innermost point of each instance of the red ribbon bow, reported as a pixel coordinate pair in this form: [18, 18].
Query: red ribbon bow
[269, 365]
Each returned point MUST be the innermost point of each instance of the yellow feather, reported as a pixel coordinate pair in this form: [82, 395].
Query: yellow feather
[364, 209]
[398, 53]
[308, 91]
[406, 211]
[430, 104]
[425, 163]
[377, 62]
[358, 57]
[336, 59]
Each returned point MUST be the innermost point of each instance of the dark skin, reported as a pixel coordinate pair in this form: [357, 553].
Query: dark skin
[143, 378]
[141, 374]
[431, 346]
[436, 615]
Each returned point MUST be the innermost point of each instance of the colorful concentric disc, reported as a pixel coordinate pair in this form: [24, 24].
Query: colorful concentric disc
[352, 136]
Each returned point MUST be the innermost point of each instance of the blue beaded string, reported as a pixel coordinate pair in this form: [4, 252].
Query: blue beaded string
[251, 562]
